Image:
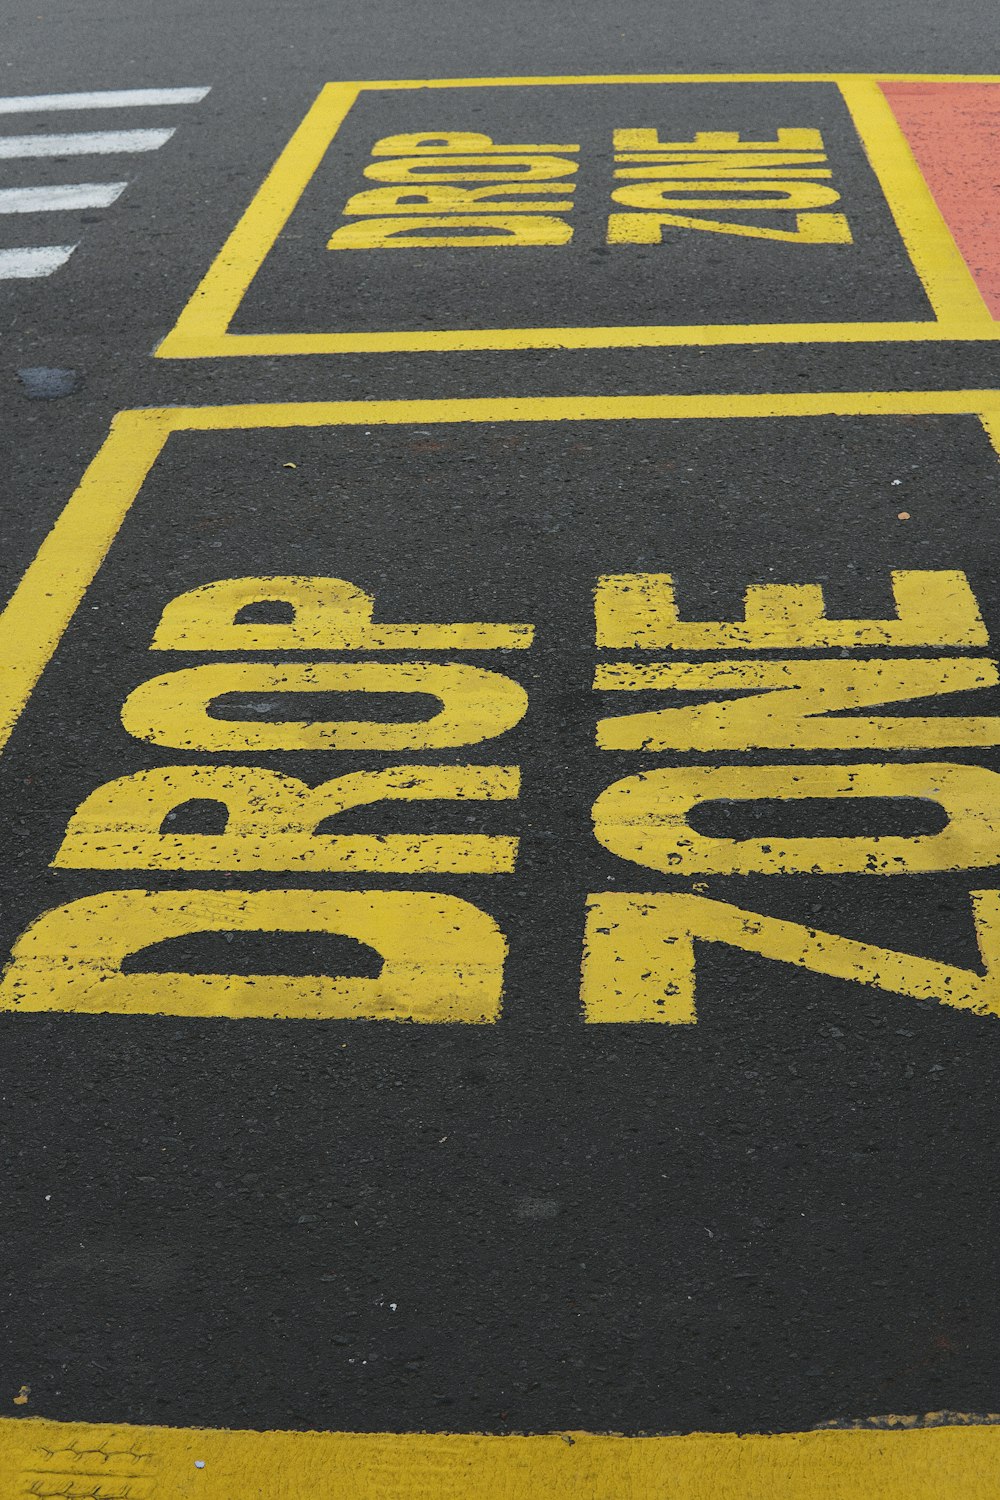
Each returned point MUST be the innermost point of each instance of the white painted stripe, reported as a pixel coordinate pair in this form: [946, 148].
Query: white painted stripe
[35, 260]
[93, 143]
[101, 99]
[40, 200]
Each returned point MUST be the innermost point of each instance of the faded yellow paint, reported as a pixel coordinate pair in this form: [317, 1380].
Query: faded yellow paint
[442, 957]
[173, 710]
[923, 1463]
[272, 821]
[639, 956]
[645, 818]
[639, 611]
[202, 329]
[787, 705]
[329, 614]
[44, 602]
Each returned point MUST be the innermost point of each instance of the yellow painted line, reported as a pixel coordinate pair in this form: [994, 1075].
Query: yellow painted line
[185, 345]
[213, 305]
[150, 1463]
[578, 409]
[561, 79]
[201, 330]
[63, 569]
[936, 258]
[443, 957]
[51, 589]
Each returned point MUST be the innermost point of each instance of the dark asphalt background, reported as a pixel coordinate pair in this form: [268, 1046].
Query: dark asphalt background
[779, 1217]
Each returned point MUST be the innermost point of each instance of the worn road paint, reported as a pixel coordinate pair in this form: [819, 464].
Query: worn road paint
[51, 589]
[327, 614]
[77, 955]
[36, 200]
[646, 818]
[442, 958]
[175, 710]
[65, 197]
[640, 960]
[69, 1458]
[272, 822]
[765, 968]
[787, 703]
[34, 260]
[638, 611]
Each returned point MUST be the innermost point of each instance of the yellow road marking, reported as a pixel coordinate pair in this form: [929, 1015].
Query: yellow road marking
[64, 567]
[243, 345]
[202, 328]
[443, 957]
[640, 961]
[558, 79]
[213, 305]
[151, 1463]
[936, 258]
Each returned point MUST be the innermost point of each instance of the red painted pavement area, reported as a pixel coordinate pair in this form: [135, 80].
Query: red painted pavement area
[954, 133]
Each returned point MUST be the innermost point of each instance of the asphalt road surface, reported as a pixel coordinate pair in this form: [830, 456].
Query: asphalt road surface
[501, 899]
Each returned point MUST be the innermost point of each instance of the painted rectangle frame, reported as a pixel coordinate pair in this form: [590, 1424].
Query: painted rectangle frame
[960, 313]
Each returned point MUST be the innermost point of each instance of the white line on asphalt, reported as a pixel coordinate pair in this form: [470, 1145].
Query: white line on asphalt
[37, 200]
[34, 260]
[100, 99]
[93, 143]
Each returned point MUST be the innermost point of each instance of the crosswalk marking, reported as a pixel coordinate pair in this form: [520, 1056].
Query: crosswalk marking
[35, 200]
[27, 261]
[85, 143]
[100, 99]
[35, 260]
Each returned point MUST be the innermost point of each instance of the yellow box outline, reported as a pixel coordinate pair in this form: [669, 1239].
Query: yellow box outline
[52, 587]
[943, 1457]
[202, 330]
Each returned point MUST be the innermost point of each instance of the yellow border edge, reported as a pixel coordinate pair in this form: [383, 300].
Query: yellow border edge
[923, 1463]
[202, 329]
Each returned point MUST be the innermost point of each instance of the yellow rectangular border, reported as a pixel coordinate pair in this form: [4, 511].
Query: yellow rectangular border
[937, 1458]
[942, 1457]
[49, 593]
[202, 330]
